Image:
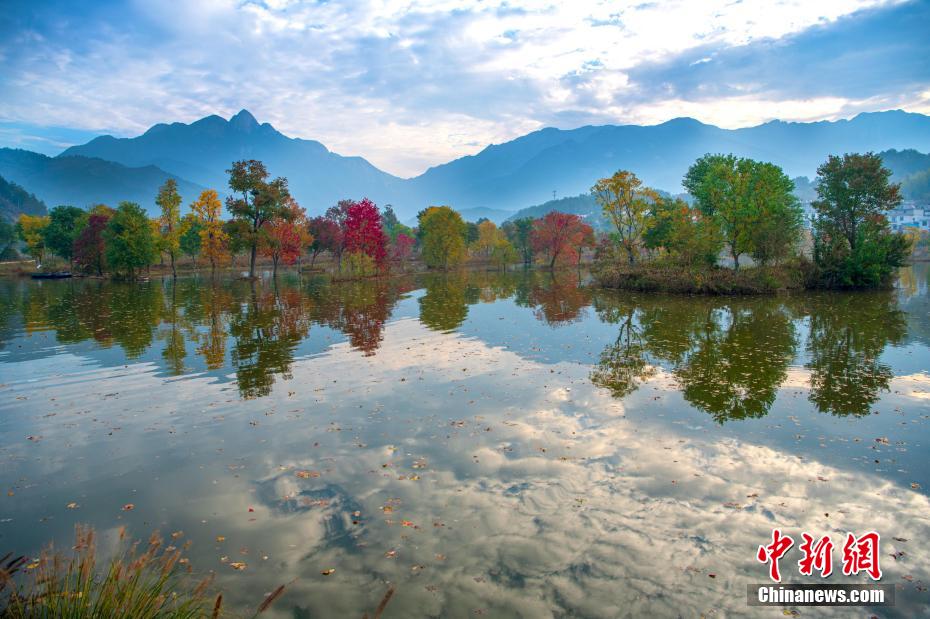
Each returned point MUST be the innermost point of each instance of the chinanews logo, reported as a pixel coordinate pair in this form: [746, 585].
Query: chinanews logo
[860, 555]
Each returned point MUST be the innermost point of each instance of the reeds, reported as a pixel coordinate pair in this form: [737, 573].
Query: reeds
[141, 581]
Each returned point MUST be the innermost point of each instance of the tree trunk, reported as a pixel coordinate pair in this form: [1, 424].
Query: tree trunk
[274, 266]
[174, 271]
[312, 259]
[252, 260]
[735, 259]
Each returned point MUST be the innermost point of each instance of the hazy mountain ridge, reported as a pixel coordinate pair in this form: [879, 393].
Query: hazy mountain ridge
[84, 181]
[502, 177]
[14, 201]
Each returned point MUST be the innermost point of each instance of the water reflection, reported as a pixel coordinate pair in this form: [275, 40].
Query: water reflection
[728, 356]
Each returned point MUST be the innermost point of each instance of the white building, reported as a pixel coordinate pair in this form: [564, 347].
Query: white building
[909, 215]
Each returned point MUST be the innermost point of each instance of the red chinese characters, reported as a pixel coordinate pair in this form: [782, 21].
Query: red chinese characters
[773, 552]
[817, 555]
[860, 554]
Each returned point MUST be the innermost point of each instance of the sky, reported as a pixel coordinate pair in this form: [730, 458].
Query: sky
[408, 84]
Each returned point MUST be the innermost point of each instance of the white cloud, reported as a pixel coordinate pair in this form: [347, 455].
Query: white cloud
[405, 83]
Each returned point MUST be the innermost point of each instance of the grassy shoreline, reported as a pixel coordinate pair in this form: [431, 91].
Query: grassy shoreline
[708, 280]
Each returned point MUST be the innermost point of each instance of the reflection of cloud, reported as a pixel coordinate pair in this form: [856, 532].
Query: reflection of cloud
[541, 495]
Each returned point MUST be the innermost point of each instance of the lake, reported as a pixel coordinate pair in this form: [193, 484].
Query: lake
[516, 444]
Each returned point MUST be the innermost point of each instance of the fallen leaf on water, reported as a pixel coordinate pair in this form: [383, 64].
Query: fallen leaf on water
[237, 565]
[328, 572]
[220, 539]
[128, 506]
[73, 505]
[307, 474]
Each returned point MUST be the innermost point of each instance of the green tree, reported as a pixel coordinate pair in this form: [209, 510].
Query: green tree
[853, 244]
[778, 216]
[130, 244]
[503, 253]
[442, 234]
[7, 238]
[719, 185]
[169, 201]
[520, 234]
[261, 201]
[64, 225]
[191, 236]
[626, 204]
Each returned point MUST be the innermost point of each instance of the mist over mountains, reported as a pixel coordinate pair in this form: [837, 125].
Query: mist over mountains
[503, 177]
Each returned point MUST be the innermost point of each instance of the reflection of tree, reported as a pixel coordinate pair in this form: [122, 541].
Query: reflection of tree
[360, 309]
[561, 300]
[135, 311]
[729, 359]
[739, 361]
[848, 334]
[216, 302]
[266, 329]
[623, 365]
[174, 351]
[444, 306]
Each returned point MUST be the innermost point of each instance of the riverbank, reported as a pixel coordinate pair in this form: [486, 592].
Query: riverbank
[707, 280]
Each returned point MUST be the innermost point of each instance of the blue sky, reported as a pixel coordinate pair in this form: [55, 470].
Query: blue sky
[410, 83]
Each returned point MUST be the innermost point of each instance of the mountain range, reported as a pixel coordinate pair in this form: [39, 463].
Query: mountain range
[501, 178]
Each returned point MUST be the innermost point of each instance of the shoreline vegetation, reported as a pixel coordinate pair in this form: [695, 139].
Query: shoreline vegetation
[735, 208]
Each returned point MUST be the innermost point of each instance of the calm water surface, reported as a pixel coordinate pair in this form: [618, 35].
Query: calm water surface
[501, 445]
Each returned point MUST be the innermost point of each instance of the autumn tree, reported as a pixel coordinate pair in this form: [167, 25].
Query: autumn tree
[561, 237]
[503, 252]
[327, 236]
[261, 201]
[280, 241]
[31, 230]
[64, 224]
[130, 243]
[337, 214]
[488, 236]
[213, 238]
[402, 248]
[169, 203]
[626, 204]
[442, 236]
[363, 232]
[89, 250]
[853, 244]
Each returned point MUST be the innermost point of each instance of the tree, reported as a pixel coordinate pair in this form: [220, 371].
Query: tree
[363, 232]
[63, 227]
[442, 235]
[626, 204]
[31, 230]
[692, 237]
[853, 191]
[719, 185]
[519, 233]
[488, 237]
[89, 250]
[503, 252]
[169, 201]
[237, 231]
[561, 236]
[403, 248]
[337, 214]
[130, 244]
[778, 218]
[327, 236]
[391, 224]
[280, 241]
[7, 238]
[853, 244]
[261, 200]
[191, 239]
[213, 238]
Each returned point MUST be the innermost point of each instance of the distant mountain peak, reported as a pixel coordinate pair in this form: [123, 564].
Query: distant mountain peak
[244, 121]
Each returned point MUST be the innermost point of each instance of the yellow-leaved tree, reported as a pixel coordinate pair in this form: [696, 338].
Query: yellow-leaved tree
[169, 201]
[626, 204]
[214, 241]
[31, 229]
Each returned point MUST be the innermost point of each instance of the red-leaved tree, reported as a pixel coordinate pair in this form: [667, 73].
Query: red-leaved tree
[363, 232]
[561, 237]
[403, 247]
[281, 238]
[89, 250]
[327, 236]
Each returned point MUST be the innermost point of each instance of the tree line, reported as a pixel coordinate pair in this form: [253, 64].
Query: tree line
[742, 207]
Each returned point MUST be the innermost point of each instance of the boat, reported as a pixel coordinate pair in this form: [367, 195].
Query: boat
[58, 275]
